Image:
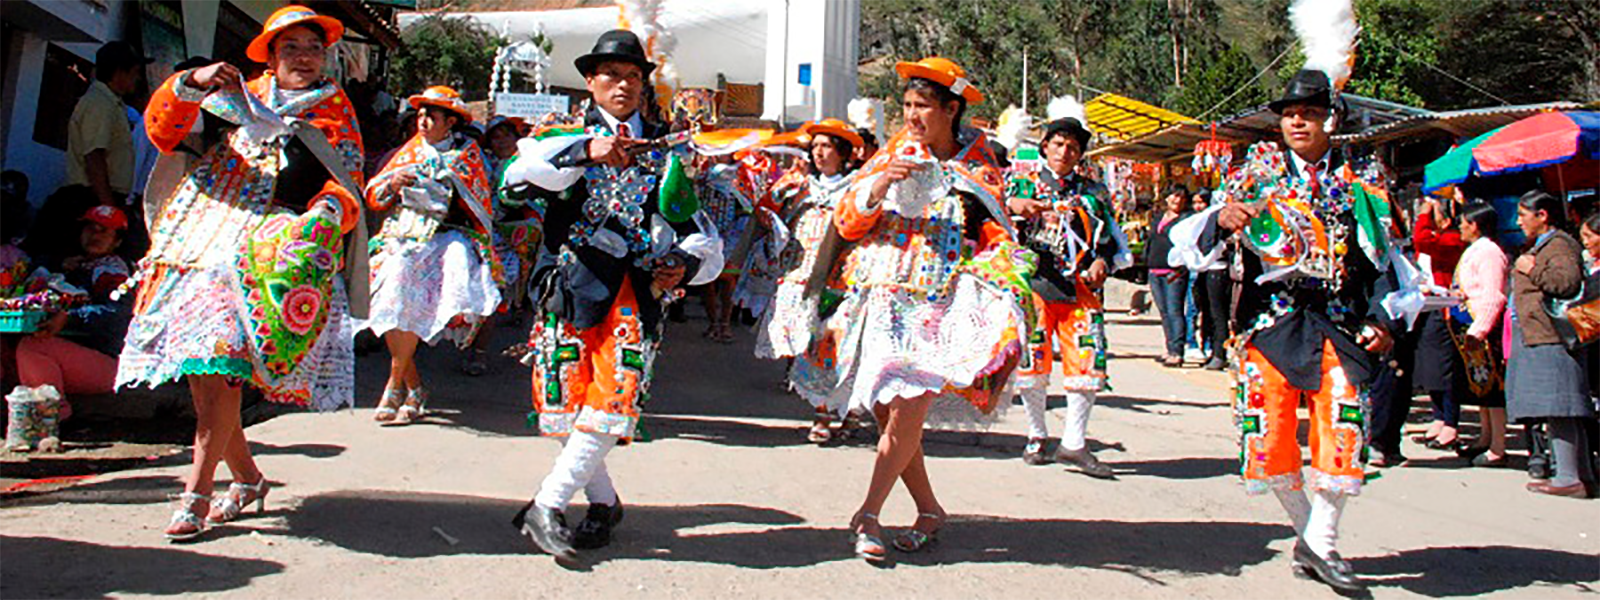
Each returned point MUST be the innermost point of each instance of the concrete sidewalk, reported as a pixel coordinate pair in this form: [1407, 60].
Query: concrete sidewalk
[727, 500]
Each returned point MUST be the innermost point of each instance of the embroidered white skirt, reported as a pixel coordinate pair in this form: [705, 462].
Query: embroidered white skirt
[894, 345]
[440, 288]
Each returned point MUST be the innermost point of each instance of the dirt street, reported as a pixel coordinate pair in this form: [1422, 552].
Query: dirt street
[727, 500]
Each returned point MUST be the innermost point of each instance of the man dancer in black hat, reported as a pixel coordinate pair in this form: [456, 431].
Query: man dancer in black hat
[1313, 323]
[615, 256]
[1067, 221]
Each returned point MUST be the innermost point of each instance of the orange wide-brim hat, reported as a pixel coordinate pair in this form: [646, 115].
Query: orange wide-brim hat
[444, 97]
[942, 71]
[835, 128]
[287, 17]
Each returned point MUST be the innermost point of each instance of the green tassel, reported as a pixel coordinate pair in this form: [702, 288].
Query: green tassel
[677, 200]
[640, 434]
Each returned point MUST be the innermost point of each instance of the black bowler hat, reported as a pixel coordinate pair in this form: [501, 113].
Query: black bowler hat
[615, 45]
[1306, 87]
[1067, 126]
[119, 55]
[193, 62]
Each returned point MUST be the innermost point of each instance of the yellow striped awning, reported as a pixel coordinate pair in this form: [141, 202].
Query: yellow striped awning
[1123, 118]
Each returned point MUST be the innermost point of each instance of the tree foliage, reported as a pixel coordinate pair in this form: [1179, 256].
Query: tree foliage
[443, 50]
[1222, 51]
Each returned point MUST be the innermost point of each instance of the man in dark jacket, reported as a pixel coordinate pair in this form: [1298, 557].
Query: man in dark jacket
[1316, 270]
[618, 250]
[1066, 220]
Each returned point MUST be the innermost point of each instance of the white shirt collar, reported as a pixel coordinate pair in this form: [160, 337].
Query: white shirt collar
[635, 124]
[1300, 163]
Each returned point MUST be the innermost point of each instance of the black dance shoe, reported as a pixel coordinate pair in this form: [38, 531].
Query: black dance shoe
[1332, 570]
[547, 527]
[1033, 453]
[1085, 462]
[595, 530]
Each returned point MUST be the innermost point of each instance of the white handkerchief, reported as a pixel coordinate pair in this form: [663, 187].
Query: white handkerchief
[910, 196]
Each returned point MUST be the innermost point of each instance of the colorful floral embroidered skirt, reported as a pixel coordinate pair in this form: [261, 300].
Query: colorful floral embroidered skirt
[439, 288]
[277, 316]
[786, 327]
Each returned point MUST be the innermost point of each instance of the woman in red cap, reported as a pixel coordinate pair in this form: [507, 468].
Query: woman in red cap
[434, 272]
[239, 285]
[933, 319]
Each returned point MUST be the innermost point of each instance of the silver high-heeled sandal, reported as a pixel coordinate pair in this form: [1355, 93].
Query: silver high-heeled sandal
[916, 540]
[868, 547]
[415, 407]
[388, 405]
[239, 496]
[185, 525]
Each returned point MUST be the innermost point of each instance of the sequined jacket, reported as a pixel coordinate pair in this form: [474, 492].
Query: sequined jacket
[920, 254]
[225, 174]
[1051, 281]
[578, 278]
[1288, 319]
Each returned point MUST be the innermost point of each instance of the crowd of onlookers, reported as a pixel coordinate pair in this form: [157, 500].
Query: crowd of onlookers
[1504, 348]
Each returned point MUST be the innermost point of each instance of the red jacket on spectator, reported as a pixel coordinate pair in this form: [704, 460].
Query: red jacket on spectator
[1444, 245]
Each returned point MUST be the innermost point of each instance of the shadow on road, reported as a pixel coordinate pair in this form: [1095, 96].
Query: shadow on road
[43, 567]
[306, 450]
[936, 443]
[725, 432]
[401, 525]
[1179, 468]
[145, 489]
[42, 466]
[1467, 571]
[1154, 405]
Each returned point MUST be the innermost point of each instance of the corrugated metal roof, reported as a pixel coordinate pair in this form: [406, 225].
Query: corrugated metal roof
[1122, 118]
[1177, 141]
[1459, 123]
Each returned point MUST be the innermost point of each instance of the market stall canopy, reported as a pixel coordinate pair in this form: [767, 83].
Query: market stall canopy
[1177, 142]
[1123, 118]
[1543, 140]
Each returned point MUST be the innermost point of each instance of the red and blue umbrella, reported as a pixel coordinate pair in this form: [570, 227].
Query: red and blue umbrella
[1539, 141]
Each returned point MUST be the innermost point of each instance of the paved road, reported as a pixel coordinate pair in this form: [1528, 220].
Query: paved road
[728, 501]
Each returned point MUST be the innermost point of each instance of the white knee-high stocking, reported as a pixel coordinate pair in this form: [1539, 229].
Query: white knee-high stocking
[599, 489]
[582, 459]
[1322, 529]
[1033, 400]
[1075, 430]
[1294, 502]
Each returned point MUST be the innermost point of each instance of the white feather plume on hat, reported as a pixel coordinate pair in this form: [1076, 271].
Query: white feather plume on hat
[1062, 107]
[1014, 123]
[866, 113]
[1327, 30]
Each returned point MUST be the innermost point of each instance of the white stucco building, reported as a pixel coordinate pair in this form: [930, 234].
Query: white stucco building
[778, 44]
